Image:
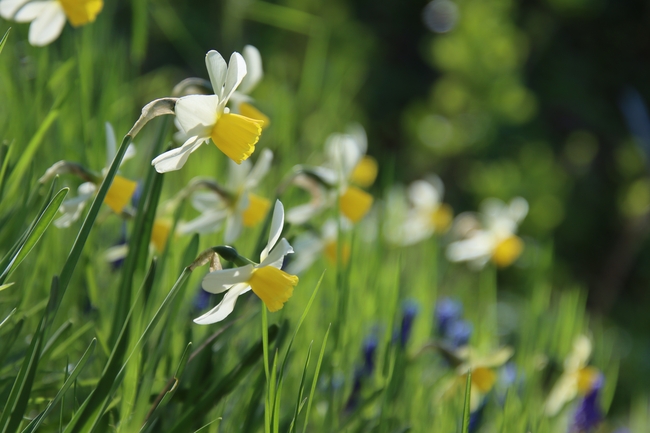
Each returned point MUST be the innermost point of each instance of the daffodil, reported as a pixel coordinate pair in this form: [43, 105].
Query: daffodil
[237, 205]
[425, 215]
[310, 245]
[205, 117]
[346, 172]
[48, 17]
[267, 280]
[159, 236]
[578, 377]
[492, 237]
[118, 196]
[240, 100]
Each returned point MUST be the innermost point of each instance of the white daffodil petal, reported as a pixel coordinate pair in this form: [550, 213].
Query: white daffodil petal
[208, 222]
[276, 256]
[237, 174]
[254, 69]
[234, 76]
[130, 153]
[47, 26]
[307, 248]
[8, 8]
[344, 152]
[217, 70]
[205, 201]
[175, 159]
[72, 208]
[422, 194]
[277, 223]
[197, 114]
[260, 169]
[111, 145]
[303, 213]
[221, 280]
[473, 248]
[225, 307]
[31, 11]
[358, 134]
[518, 209]
[118, 252]
[234, 224]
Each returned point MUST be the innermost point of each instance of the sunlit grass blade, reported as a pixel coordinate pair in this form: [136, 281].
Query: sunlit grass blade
[9, 338]
[3, 41]
[205, 427]
[6, 286]
[35, 233]
[314, 381]
[5, 153]
[36, 422]
[301, 390]
[466, 405]
[6, 319]
[16, 404]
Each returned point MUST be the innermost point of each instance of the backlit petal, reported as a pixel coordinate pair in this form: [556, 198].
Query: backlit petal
[217, 69]
[225, 307]
[260, 169]
[221, 280]
[208, 222]
[234, 225]
[276, 256]
[175, 159]
[47, 26]
[234, 76]
[277, 223]
[197, 114]
[32, 10]
[8, 8]
[254, 71]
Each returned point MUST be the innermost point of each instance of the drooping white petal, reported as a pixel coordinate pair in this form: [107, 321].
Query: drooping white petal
[358, 134]
[277, 223]
[217, 69]
[344, 152]
[176, 158]
[225, 307]
[47, 26]
[197, 114]
[205, 201]
[73, 207]
[276, 256]
[237, 174]
[254, 69]
[8, 8]
[208, 222]
[478, 246]
[260, 169]
[422, 194]
[234, 224]
[234, 76]
[518, 209]
[303, 213]
[115, 253]
[31, 11]
[221, 280]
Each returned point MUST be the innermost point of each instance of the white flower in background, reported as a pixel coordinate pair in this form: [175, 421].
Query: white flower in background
[159, 235]
[491, 238]
[271, 284]
[578, 377]
[348, 168]
[118, 196]
[49, 16]
[309, 246]
[241, 209]
[425, 215]
[205, 117]
[240, 100]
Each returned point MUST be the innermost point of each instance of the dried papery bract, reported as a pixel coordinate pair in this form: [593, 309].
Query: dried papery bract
[155, 108]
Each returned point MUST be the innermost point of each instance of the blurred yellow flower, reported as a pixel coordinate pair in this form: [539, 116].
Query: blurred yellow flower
[48, 17]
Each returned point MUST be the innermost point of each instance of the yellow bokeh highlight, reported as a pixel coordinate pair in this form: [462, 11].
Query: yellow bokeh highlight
[586, 378]
[236, 135]
[331, 252]
[256, 210]
[248, 110]
[365, 173]
[442, 217]
[483, 379]
[120, 193]
[80, 12]
[507, 251]
[160, 234]
[355, 203]
[273, 286]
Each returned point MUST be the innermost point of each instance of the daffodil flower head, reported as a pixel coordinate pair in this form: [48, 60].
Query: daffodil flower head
[490, 237]
[239, 207]
[118, 196]
[311, 244]
[484, 371]
[240, 99]
[48, 17]
[205, 117]
[578, 377]
[266, 279]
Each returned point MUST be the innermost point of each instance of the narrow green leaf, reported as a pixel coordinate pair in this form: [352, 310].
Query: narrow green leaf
[466, 408]
[315, 379]
[6, 319]
[9, 339]
[301, 390]
[205, 427]
[16, 404]
[3, 41]
[36, 422]
[6, 286]
[36, 232]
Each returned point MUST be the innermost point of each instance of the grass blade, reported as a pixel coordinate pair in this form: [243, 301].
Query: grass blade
[466, 408]
[36, 422]
[301, 390]
[315, 379]
[3, 41]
